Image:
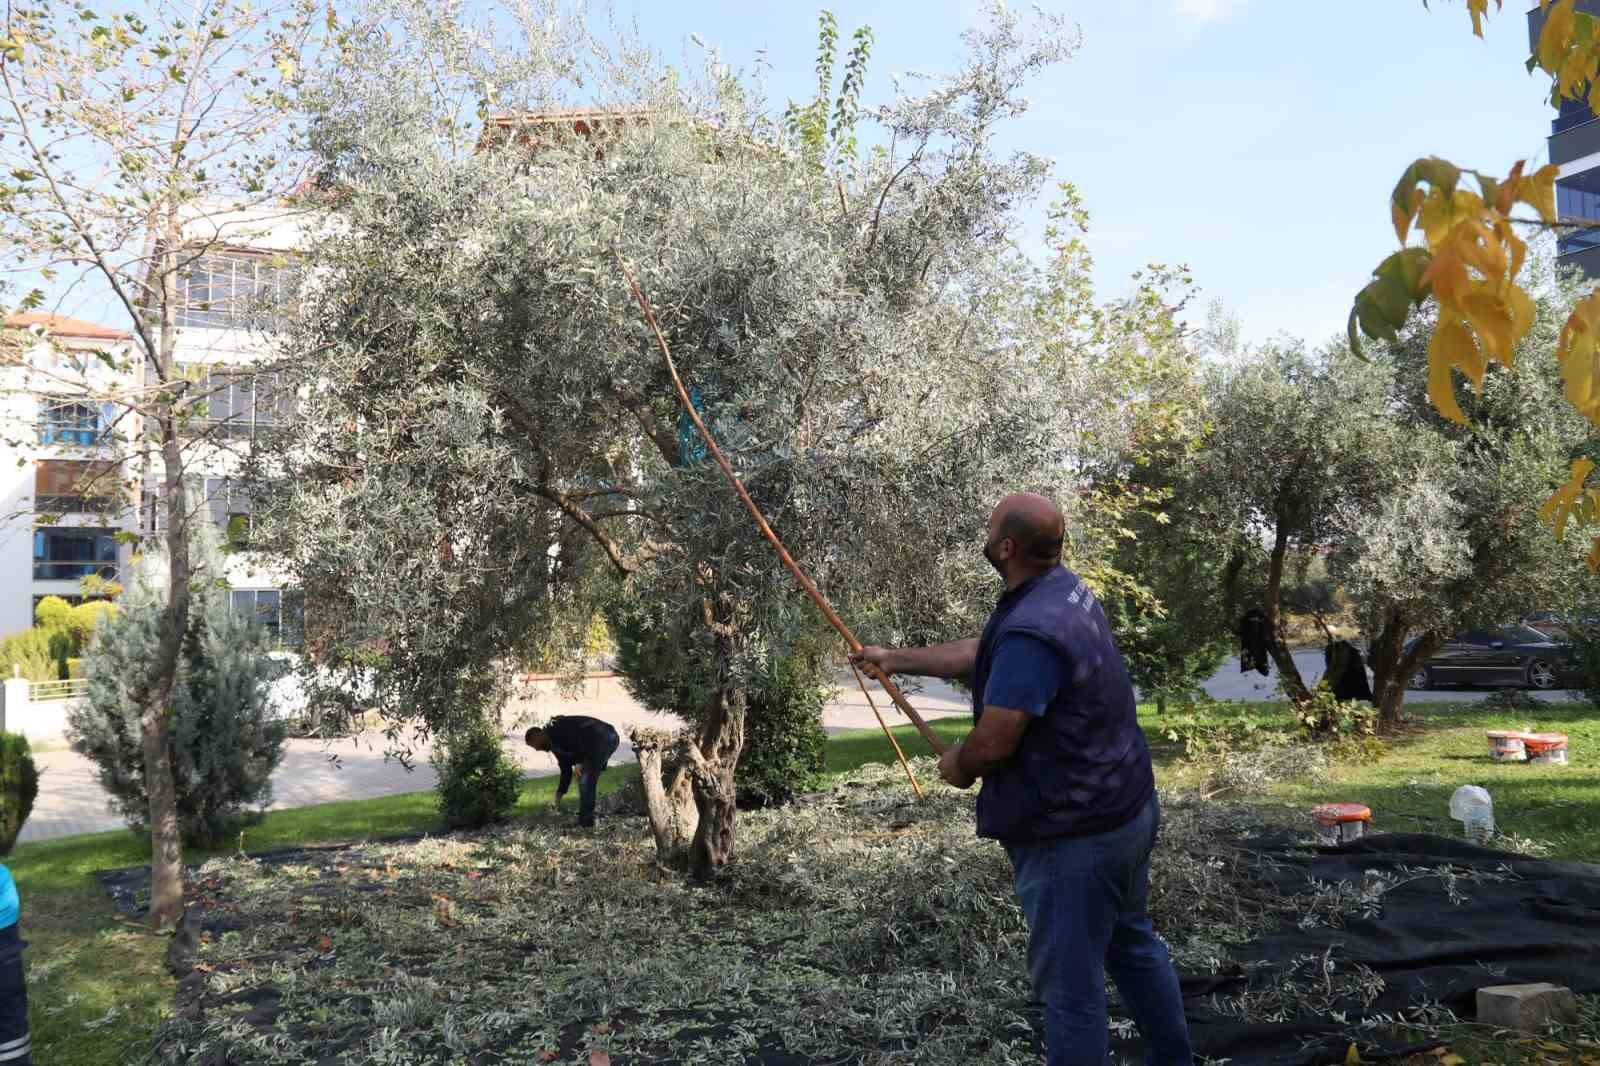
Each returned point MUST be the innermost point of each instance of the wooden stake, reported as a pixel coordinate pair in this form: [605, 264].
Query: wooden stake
[885, 725]
[935, 741]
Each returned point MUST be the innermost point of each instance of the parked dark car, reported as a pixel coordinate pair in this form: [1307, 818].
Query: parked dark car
[1515, 655]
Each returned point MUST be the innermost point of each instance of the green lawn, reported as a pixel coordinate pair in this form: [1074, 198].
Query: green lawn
[1442, 748]
[97, 986]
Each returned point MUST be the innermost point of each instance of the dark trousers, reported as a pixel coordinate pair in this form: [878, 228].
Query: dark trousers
[15, 1047]
[591, 782]
[1084, 898]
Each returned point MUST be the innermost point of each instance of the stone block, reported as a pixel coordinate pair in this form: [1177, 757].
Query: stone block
[1526, 1007]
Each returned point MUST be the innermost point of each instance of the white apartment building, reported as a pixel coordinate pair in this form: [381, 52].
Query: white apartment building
[60, 504]
[73, 475]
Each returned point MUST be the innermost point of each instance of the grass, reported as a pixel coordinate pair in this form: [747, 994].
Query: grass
[97, 987]
[1441, 748]
[1409, 789]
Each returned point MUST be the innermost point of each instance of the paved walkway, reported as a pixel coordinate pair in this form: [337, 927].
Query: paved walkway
[71, 800]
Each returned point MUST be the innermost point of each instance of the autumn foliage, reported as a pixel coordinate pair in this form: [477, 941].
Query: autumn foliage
[1469, 260]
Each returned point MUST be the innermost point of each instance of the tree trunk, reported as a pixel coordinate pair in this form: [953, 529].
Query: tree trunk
[715, 796]
[1392, 668]
[668, 793]
[166, 843]
[1288, 673]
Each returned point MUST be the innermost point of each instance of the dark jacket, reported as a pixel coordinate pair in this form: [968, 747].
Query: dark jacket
[1083, 766]
[578, 739]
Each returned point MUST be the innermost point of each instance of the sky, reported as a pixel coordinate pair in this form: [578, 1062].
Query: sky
[1256, 141]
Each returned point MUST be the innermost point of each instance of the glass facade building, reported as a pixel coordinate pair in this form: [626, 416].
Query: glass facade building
[1575, 148]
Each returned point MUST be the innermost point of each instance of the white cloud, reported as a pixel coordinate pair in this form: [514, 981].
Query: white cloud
[1207, 10]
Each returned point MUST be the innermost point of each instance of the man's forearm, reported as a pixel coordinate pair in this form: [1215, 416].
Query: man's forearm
[976, 762]
[953, 658]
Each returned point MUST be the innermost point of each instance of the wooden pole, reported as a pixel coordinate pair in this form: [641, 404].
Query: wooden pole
[885, 726]
[935, 741]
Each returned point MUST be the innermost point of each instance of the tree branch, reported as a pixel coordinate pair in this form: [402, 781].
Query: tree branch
[665, 441]
[623, 564]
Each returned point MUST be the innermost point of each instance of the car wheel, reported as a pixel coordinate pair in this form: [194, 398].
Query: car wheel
[1422, 679]
[1541, 674]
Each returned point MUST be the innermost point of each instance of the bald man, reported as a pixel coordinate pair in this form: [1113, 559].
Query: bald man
[1068, 788]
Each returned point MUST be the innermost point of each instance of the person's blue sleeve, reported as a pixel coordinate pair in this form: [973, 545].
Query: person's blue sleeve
[1025, 676]
[8, 899]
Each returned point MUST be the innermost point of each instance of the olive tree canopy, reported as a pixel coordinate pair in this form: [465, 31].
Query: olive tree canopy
[487, 431]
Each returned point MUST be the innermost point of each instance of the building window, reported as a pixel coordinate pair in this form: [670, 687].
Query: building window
[234, 290]
[69, 554]
[228, 503]
[280, 612]
[73, 421]
[242, 405]
[1576, 203]
[75, 486]
[232, 510]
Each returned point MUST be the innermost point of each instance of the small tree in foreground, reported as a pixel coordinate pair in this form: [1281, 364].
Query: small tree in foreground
[478, 782]
[225, 740]
[133, 139]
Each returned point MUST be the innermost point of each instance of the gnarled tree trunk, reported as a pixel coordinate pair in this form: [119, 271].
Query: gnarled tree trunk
[715, 795]
[1278, 647]
[668, 794]
[1392, 667]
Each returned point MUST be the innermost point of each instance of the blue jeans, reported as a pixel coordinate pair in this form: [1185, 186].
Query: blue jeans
[592, 769]
[1084, 898]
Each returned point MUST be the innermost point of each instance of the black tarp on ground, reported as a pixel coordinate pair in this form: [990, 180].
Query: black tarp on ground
[1442, 919]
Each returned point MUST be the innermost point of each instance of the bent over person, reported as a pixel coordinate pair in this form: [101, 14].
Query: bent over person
[576, 740]
[1068, 788]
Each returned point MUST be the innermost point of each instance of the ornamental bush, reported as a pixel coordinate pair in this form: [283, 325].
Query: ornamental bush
[226, 742]
[478, 782]
[19, 787]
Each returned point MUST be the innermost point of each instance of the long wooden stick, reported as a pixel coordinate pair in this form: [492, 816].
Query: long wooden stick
[885, 727]
[935, 741]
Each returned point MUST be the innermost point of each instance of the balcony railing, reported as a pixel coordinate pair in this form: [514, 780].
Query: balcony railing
[71, 503]
[76, 436]
[72, 570]
[40, 691]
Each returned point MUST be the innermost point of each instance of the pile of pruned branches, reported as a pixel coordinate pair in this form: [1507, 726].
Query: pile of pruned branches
[858, 926]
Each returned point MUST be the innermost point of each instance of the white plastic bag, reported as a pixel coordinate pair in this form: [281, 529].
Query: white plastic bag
[1472, 807]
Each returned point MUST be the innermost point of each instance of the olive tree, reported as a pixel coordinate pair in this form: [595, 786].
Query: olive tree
[1458, 542]
[485, 416]
[1299, 443]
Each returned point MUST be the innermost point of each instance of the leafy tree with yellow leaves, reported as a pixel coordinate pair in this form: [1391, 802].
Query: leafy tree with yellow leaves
[1469, 262]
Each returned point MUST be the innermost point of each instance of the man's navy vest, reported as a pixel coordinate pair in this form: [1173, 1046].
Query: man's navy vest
[1082, 767]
